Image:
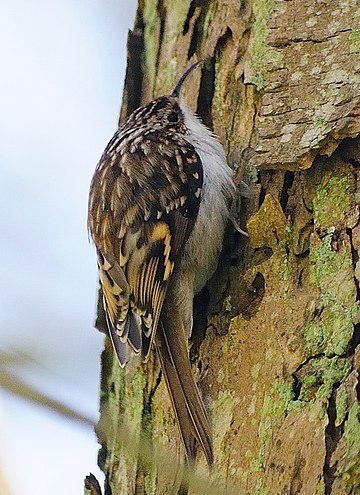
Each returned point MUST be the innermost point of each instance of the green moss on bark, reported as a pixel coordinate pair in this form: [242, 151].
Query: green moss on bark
[349, 465]
[258, 48]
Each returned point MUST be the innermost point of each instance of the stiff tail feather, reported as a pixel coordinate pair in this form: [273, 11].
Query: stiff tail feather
[189, 408]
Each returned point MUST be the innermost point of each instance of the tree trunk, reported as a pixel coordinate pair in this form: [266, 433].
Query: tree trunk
[278, 364]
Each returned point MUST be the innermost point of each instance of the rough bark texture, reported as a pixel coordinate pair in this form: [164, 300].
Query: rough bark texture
[278, 365]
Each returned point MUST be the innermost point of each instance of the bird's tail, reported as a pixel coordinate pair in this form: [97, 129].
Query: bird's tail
[172, 349]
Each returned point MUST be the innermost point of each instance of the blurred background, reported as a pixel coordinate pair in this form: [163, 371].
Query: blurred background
[62, 71]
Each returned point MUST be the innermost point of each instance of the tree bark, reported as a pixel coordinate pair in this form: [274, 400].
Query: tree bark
[278, 363]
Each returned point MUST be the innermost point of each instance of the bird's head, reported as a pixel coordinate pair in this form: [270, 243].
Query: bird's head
[165, 111]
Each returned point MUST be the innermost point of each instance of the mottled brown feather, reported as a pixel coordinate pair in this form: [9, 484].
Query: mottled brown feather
[144, 199]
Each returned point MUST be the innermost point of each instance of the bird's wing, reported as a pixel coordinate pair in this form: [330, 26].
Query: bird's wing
[144, 200]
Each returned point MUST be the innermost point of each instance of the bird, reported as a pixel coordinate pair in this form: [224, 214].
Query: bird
[159, 203]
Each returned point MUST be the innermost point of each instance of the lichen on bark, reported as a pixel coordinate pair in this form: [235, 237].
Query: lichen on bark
[278, 366]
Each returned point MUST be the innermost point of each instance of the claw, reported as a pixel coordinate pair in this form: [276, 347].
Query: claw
[244, 192]
[237, 227]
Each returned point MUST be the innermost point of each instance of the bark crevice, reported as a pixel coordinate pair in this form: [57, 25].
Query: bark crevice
[276, 347]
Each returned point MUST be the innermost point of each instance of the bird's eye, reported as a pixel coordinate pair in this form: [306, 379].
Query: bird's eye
[173, 117]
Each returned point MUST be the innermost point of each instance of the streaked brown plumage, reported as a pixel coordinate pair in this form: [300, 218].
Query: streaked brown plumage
[161, 188]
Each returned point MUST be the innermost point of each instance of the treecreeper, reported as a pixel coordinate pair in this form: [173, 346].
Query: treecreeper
[160, 200]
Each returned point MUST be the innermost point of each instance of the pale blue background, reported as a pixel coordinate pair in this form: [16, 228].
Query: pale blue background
[62, 70]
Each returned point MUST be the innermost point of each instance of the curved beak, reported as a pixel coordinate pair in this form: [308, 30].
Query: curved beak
[177, 88]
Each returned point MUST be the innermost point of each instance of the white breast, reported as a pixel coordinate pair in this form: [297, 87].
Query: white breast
[205, 242]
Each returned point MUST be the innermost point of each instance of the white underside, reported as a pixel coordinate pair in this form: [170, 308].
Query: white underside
[202, 250]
